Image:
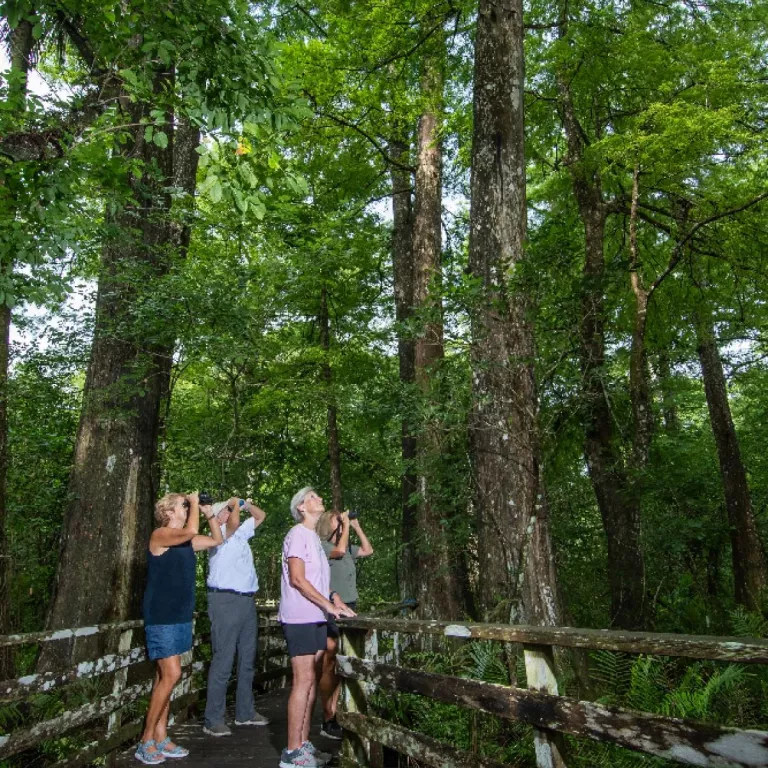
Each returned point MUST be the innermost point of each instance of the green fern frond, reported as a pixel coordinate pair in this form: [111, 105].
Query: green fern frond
[748, 623]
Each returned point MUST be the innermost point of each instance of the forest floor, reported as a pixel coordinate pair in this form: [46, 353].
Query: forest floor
[251, 746]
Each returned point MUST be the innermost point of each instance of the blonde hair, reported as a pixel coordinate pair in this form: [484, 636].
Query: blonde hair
[326, 525]
[164, 506]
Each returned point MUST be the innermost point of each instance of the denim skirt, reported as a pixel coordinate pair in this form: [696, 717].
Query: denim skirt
[165, 640]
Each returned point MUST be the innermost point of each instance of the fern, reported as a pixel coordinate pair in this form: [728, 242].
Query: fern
[746, 623]
[487, 662]
[696, 696]
[612, 672]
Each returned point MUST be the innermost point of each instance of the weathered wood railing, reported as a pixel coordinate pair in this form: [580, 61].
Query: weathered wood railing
[538, 705]
[129, 658]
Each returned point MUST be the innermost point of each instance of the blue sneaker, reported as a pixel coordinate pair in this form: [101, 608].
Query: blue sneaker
[166, 750]
[148, 753]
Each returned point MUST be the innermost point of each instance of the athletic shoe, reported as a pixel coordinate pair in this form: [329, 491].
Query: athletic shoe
[256, 719]
[166, 750]
[299, 757]
[143, 755]
[331, 729]
[324, 757]
[217, 730]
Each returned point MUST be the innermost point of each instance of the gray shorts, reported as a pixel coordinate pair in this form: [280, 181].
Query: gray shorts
[305, 639]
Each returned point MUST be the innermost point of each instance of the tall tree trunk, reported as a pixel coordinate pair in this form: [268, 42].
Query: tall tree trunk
[186, 140]
[113, 480]
[442, 594]
[750, 573]
[334, 453]
[619, 505]
[639, 375]
[668, 406]
[20, 43]
[517, 575]
[402, 263]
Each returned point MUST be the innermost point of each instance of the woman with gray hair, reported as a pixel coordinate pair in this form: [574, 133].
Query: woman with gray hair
[305, 604]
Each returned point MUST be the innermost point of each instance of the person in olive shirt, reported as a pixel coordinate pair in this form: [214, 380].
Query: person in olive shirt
[334, 529]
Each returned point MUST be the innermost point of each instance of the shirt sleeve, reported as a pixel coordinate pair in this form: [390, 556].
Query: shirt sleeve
[327, 547]
[245, 530]
[353, 550]
[296, 546]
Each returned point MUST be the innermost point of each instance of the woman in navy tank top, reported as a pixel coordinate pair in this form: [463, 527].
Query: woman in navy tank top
[169, 604]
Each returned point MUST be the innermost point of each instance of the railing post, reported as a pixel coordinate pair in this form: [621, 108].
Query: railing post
[356, 750]
[540, 674]
[118, 686]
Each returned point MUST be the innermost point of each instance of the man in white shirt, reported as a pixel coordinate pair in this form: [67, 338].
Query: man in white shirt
[232, 584]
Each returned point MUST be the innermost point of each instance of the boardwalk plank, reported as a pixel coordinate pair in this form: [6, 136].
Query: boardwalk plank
[251, 746]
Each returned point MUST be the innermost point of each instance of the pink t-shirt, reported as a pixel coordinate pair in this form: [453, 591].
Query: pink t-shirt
[303, 543]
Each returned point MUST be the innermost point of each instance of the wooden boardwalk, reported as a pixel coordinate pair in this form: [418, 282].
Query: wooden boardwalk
[251, 746]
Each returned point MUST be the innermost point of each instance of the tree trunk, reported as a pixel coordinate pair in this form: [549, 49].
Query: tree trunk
[186, 140]
[334, 453]
[516, 566]
[442, 594]
[619, 505]
[639, 376]
[114, 476]
[402, 263]
[750, 573]
[20, 44]
[668, 406]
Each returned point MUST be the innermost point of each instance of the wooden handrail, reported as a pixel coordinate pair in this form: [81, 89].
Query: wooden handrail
[115, 664]
[742, 649]
[52, 635]
[540, 704]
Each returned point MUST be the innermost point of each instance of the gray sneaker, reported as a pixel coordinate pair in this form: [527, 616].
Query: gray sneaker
[299, 757]
[217, 730]
[322, 757]
[255, 719]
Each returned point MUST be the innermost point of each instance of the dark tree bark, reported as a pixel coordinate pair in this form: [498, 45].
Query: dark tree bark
[750, 573]
[616, 498]
[113, 484]
[517, 575]
[186, 140]
[6, 656]
[639, 373]
[668, 407]
[402, 263]
[20, 44]
[442, 595]
[334, 452]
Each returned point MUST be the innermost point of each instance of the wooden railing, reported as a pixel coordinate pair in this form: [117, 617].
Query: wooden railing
[114, 669]
[539, 705]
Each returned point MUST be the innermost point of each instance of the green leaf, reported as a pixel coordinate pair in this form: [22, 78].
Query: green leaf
[161, 139]
[216, 191]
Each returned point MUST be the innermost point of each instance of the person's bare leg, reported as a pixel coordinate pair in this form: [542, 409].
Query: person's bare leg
[335, 695]
[167, 675]
[329, 681]
[302, 688]
[317, 666]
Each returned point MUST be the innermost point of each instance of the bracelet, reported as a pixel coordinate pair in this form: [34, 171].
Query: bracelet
[210, 518]
[330, 597]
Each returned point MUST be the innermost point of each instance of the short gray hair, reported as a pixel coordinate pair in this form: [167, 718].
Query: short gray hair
[297, 501]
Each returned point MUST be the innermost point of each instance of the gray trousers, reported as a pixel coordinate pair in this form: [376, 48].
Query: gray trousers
[234, 629]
